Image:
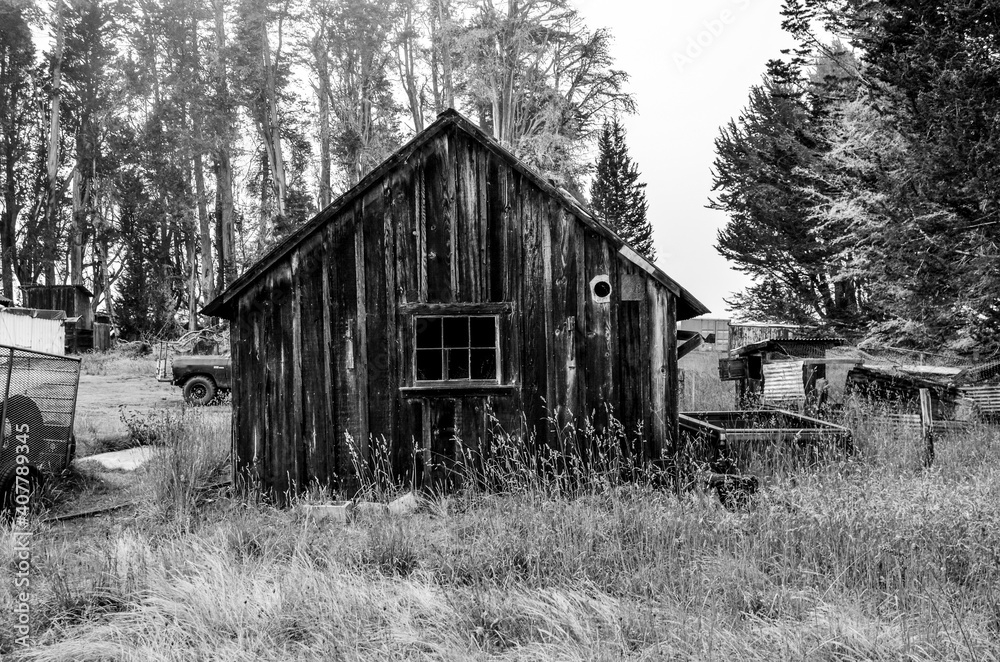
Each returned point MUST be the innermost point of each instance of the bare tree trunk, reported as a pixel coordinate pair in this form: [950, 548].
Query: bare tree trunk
[8, 230]
[189, 246]
[207, 263]
[224, 217]
[406, 63]
[322, 90]
[80, 199]
[271, 129]
[204, 223]
[52, 160]
[444, 22]
[223, 167]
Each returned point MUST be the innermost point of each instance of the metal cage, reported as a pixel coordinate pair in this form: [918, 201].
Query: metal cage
[38, 409]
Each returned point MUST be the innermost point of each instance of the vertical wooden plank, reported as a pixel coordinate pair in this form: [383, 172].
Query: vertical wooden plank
[420, 219]
[378, 345]
[388, 384]
[655, 295]
[326, 393]
[467, 258]
[527, 205]
[343, 307]
[551, 300]
[471, 431]
[410, 444]
[405, 213]
[580, 296]
[442, 433]
[280, 382]
[598, 373]
[255, 405]
[673, 390]
[287, 394]
[241, 349]
[439, 214]
[296, 429]
[268, 348]
[564, 300]
[360, 339]
[927, 427]
[630, 408]
[496, 220]
[471, 426]
[481, 161]
[312, 290]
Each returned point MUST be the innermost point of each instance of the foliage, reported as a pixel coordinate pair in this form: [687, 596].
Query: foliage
[539, 80]
[150, 151]
[765, 173]
[616, 193]
[898, 188]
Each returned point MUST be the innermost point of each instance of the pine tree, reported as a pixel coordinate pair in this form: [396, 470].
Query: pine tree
[617, 195]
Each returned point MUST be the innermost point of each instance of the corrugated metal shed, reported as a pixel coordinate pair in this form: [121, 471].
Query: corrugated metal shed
[38, 333]
[987, 398]
[800, 348]
[783, 382]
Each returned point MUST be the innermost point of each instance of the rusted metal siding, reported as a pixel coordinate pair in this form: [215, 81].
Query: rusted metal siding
[783, 382]
[323, 341]
[986, 398]
[41, 335]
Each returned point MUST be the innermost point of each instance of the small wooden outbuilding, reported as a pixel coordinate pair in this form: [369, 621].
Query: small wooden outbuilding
[83, 333]
[452, 293]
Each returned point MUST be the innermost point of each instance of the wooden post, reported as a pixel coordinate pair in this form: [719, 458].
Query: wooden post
[927, 426]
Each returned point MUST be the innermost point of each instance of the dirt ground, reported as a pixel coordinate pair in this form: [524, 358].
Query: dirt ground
[103, 398]
[101, 402]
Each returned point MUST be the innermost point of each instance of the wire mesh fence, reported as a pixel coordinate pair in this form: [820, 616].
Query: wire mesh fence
[39, 403]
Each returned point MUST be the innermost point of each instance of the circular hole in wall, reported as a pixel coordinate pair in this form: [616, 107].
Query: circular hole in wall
[602, 288]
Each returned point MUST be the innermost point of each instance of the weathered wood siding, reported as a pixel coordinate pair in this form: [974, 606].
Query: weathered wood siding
[323, 341]
[70, 298]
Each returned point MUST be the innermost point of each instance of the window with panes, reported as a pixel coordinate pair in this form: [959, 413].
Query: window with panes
[457, 348]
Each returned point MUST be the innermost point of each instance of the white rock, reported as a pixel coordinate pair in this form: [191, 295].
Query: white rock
[129, 459]
[407, 504]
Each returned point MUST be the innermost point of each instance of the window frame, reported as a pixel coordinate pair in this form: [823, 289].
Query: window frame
[456, 383]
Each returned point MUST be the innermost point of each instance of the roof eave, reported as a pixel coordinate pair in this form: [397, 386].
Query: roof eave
[688, 305]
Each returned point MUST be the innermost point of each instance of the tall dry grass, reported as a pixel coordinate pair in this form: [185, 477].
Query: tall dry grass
[702, 390]
[870, 557]
[117, 363]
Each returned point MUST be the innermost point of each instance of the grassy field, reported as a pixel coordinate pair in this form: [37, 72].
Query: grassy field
[867, 558]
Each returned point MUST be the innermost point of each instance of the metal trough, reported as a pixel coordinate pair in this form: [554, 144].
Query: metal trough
[760, 441]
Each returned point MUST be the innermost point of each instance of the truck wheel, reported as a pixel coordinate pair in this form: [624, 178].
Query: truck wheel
[199, 391]
[21, 410]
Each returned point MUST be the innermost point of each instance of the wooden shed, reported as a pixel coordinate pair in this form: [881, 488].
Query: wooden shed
[451, 294]
[82, 332]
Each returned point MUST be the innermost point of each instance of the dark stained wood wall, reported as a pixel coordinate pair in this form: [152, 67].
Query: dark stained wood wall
[69, 298]
[323, 340]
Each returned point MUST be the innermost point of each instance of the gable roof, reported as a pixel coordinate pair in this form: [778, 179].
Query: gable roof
[81, 288]
[687, 305]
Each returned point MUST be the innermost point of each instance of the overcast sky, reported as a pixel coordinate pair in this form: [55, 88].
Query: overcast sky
[691, 65]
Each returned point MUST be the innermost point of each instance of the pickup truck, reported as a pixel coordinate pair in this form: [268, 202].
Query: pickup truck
[202, 377]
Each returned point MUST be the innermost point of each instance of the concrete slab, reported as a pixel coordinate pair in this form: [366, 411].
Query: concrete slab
[126, 460]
